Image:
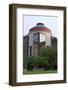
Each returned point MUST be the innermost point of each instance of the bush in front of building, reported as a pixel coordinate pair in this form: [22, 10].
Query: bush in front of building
[28, 62]
[51, 53]
[31, 62]
[47, 60]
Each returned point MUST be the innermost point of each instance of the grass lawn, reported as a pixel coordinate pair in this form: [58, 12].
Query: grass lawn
[39, 72]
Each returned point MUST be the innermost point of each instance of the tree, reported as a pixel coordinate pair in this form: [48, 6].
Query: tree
[46, 60]
[51, 53]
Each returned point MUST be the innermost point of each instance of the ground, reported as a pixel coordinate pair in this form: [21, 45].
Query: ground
[39, 72]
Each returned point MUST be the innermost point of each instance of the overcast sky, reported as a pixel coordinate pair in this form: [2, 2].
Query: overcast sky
[49, 21]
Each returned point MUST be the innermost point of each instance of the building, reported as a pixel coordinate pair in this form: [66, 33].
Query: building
[38, 36]
[53, 42]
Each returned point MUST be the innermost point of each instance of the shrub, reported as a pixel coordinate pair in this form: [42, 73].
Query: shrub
[46, 60]
[51, 53]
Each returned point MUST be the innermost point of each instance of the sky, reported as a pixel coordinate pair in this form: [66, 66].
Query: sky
[49, 21]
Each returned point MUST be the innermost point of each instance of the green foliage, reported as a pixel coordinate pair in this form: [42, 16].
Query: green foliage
[28, 62]
[51, 53]
[47, 59]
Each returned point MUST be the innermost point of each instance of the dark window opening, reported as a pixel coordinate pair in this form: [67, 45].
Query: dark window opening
[30, 50]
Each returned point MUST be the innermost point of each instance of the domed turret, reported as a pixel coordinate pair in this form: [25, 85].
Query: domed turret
[40, 27]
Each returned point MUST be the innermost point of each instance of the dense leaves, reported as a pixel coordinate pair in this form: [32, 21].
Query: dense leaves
[51, 53]
[46, 60]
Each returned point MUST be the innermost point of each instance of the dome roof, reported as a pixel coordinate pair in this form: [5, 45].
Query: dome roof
[40, 27]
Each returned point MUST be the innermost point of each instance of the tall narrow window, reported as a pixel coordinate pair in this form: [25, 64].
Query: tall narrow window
[30, 50]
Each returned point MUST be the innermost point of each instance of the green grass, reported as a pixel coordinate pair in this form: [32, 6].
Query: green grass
[39, 72]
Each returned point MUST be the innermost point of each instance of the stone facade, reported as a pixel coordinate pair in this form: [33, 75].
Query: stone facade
[38, 37]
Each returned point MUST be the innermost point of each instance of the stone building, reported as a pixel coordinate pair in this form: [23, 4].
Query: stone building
[38, 36]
